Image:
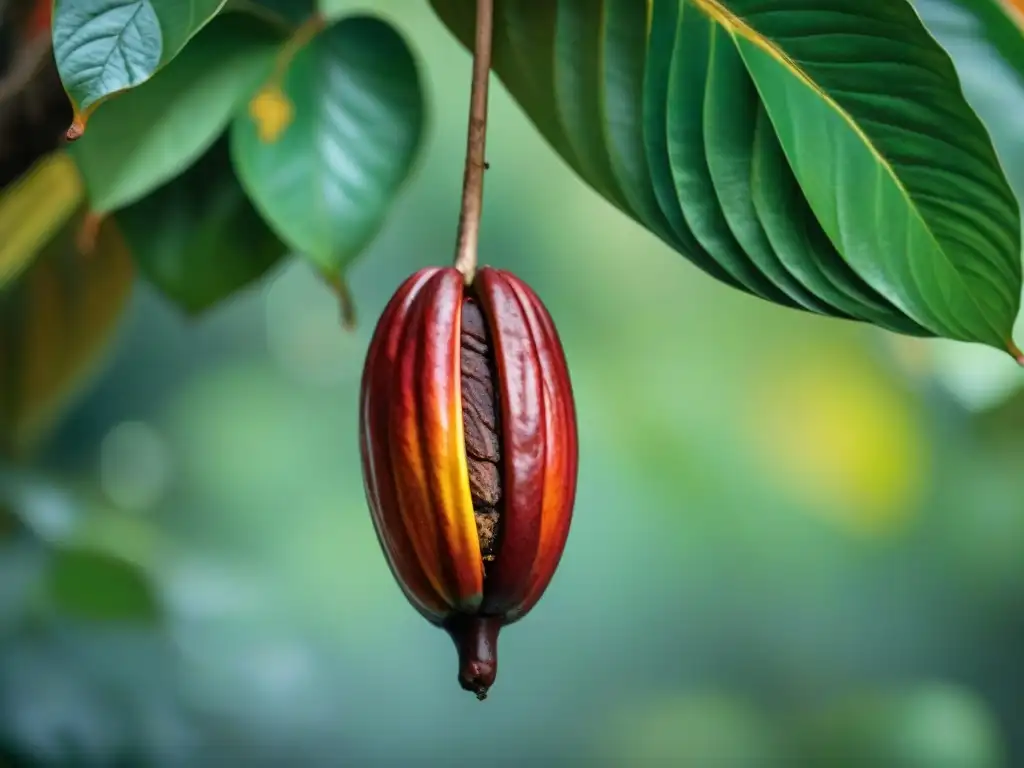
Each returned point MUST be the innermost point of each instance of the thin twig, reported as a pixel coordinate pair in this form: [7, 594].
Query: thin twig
[476, 143]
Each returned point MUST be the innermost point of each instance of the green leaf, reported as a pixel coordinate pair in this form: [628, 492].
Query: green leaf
[820, 155]
[903, 178]
[687, 93]
[106, 46]
[804, 247]
[198, 238]
[92, 585]
[149, 135]
[56, 321]
[987, 48]
[996, 24]
[327, 144]
[730, 114]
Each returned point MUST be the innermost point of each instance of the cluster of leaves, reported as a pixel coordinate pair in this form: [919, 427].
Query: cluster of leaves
[263, 136]
[817, 154]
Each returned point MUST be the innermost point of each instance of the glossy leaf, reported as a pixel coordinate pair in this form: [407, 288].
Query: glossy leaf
[96, 586]
[33, 209]
[820, 155]
[998, 25]
[326, 145]
[103, 47]
[903, 179]
[687, 92]
[149, 135]
[804, 247]
[987, 48]
[56, 321]
[198, 238]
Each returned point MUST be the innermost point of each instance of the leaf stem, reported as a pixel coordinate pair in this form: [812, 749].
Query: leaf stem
[476, 142]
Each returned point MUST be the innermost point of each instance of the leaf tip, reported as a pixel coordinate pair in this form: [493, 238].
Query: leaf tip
[77, 128]
[346, 304]
[1015, 352]
[89, 231]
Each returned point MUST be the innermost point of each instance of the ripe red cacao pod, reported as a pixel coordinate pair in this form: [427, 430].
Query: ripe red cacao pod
[469, 451]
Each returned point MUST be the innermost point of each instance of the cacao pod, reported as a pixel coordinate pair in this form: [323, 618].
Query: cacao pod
[469, 451]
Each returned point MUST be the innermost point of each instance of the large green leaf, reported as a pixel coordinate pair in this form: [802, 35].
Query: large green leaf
[897, 168]
[987, 48]
[995, 27]
[326, 145]
[149, 135]
[198, 238]
[106, 46]
[817, 153]
[986, 43]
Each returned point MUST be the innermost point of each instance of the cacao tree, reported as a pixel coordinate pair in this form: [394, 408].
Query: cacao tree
[816, 154]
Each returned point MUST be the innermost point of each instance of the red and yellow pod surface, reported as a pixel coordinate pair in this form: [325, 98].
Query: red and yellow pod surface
[469, 446]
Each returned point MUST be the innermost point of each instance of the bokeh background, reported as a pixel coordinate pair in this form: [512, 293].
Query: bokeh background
[796, 541]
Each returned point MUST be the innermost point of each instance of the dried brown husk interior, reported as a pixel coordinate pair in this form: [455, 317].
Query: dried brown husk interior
[481, 420]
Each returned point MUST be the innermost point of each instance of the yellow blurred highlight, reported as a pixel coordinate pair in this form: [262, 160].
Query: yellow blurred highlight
[34, 209]
[842, 440]
[272, 112]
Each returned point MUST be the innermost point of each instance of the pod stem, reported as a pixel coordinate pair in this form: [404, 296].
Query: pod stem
[476, 142]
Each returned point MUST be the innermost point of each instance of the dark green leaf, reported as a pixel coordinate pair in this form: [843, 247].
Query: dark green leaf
[106, 46]
[987, 48]
[688, 156]
[817, 154]
[325, 148]
[804, 247]
[903, 178]
[730, 121]
[149, 135]
[198, 238]
[988, 27]
[96, 586]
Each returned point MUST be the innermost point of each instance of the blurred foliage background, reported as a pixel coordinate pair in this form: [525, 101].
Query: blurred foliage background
[796, 539]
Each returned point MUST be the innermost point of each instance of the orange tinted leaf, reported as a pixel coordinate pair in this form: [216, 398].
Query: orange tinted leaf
[56, 321]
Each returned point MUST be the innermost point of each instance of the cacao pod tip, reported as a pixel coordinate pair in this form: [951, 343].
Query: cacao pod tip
[476, 639]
